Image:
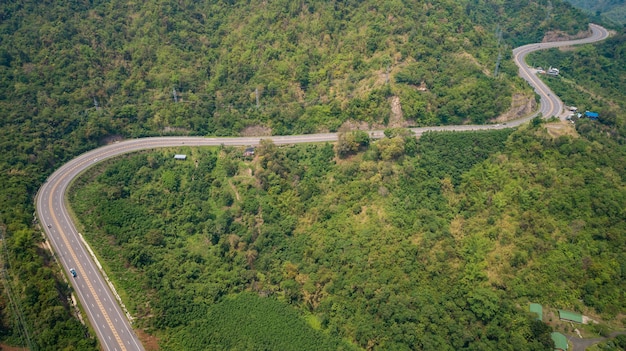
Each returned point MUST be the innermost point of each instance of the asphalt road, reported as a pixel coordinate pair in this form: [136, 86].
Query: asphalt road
[551, 105]
[97, 299]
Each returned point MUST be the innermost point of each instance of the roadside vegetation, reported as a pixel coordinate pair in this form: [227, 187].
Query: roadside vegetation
[325, 66]
[591, 78]
[198, 67]
[432, 244]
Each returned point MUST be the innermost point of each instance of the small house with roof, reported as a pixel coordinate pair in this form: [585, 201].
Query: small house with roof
[592, 115]
[180, 157]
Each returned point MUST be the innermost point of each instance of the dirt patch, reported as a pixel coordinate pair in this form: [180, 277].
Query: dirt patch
[150, 342]
[558, 35]
[396, 119]
[252, 131]
[588, 320]
[5, 347]
[558, 129]
[521, 105]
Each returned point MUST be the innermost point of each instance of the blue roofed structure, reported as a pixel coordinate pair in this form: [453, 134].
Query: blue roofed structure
[592, 115]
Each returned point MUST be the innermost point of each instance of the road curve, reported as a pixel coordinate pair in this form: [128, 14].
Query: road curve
[550, 104]
[101, 307]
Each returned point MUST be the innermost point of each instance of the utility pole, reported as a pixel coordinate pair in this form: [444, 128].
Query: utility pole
[256, 93]
[174, 94]
[495, 74]
[95, 103]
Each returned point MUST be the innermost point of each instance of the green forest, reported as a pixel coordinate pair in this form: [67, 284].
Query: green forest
[435, 244]
[611, 11]
[76, 74]
[198, 67]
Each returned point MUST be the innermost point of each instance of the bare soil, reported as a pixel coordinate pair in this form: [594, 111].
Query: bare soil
[396, 119]
[150, 342]
[5, 347]
[257, 130]
[558, 129]
[521, 105]
[562, 36]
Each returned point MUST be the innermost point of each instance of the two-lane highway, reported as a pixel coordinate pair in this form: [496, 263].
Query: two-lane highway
[551, 105]
[105, 315]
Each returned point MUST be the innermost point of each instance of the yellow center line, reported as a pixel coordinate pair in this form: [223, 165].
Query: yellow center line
[539, 87]
[82, 271]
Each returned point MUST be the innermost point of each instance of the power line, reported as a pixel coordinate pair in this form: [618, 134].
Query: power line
[500, 47]
[495, 73]
[16, 309]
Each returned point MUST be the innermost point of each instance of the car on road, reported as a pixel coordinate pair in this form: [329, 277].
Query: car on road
[73, 271]
[49, 226]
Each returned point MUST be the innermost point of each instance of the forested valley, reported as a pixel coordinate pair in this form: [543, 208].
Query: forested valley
[76, 74]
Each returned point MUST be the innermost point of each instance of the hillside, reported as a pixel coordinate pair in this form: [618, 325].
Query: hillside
[613, 11]
[314, 65]
[591, 78]
[76, 74]
[436, 244]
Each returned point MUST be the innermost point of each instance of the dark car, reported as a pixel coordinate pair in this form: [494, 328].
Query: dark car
[73, 271]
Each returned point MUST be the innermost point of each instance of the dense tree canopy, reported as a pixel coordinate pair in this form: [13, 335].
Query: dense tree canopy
[76, 74]
[438, 248]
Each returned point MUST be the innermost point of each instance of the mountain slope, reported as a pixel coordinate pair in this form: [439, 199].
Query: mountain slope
[612, 10]
[316, 65]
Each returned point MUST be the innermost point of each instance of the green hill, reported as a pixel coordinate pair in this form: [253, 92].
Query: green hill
[314, 65]
[193, 67]
[612, 10]
[435, 244]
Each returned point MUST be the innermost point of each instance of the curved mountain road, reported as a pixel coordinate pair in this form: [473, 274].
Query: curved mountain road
[93, 291]
[551, 105]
